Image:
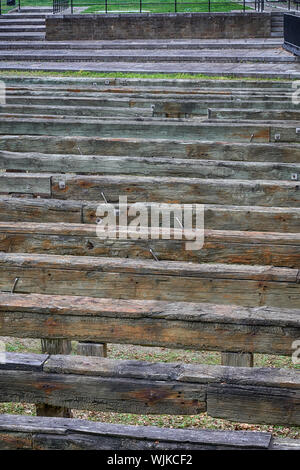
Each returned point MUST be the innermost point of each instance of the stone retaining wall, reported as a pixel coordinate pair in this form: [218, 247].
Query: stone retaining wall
[158, 26]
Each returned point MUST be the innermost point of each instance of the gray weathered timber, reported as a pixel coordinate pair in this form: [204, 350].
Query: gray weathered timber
[28, 184]
[89, 111]
[157, 189]
[225, 217]
[155, 95]
[159, 388]
[150, 323]
[267, 248]
[46, 210]
[178, 190]
[27, 432]
[54, 346]
[153, 127]
[149, 280]
[193, 149]
[90, 348]
[146, 166]
[162, 105]
[239, 402]
[253, 114]
[237, 359]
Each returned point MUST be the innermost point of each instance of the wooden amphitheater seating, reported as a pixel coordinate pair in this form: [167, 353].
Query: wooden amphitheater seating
[230, 145]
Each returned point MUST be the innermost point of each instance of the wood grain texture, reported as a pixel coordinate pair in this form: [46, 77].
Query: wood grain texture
[225, 217]
[25, 184]
[254, 395]
[151, 280]
[156, 189]
[70, 434]
[150, 323]
[146, 166]
[153, 147]
[276, 249]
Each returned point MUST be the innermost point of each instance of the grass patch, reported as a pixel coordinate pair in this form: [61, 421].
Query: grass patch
[113, 75]
[154, 6]
[164, 6]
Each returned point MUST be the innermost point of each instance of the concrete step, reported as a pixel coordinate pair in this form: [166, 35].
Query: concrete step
[34, 10]
[23, 16]
[26, 36]
[26, 22]
[133, 45]
[22, 29]
[140, 56]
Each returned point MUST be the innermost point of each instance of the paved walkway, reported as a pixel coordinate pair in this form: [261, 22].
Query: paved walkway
[24, 48]
[212, 69]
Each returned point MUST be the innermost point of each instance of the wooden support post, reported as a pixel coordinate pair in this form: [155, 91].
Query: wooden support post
[237, 359]
[90, 348]
[54, 346]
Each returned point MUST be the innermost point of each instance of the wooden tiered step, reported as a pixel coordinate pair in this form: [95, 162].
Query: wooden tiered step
[77, 434]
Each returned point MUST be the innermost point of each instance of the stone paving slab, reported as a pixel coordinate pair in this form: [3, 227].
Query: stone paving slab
[212, 69]
[21, 43]
[140, 55]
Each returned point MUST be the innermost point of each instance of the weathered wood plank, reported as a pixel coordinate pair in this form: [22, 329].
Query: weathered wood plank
[160, 189]
[54, 346]
[66, 434]
[159, 388]
[145, 279]
[237, 359]
[237, 402]
[150, 323]
[152, 127]
[110, 165]
[271, 219]
[161, 105]
[27, 184]
[152, 147]
[15, 110]
[267, 248]
[253, 114]
[46, 210]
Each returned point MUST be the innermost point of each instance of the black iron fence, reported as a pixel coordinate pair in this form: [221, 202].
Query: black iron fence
[161, 6]
[151, 6]
[60, 5]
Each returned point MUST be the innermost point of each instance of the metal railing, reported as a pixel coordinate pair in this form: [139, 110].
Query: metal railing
[152, 6]
[161, 6]
[60, 5]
